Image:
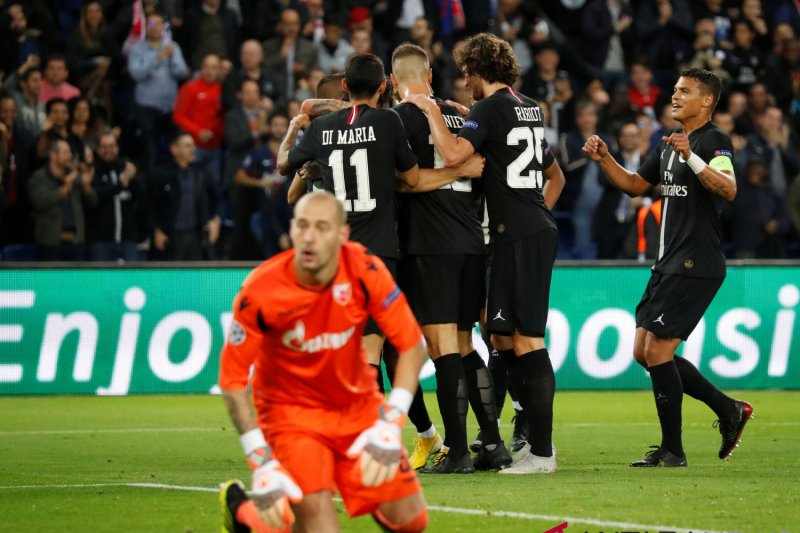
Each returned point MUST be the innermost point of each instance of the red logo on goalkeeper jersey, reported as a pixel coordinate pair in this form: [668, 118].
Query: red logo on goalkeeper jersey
[342, 293]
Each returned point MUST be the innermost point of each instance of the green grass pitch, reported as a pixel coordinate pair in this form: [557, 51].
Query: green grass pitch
[71, 464]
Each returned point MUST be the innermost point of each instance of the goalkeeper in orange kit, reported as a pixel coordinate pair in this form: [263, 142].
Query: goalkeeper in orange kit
[319, 423]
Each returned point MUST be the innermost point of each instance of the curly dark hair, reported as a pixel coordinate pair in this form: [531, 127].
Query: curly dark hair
[489, 57]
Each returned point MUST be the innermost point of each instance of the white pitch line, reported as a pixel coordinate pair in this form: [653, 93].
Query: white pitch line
[107, 430]
[439, 508]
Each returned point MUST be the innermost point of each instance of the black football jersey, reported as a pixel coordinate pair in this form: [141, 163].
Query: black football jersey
[690, 238]
[444, 221]
[360, 151]
[507, 129]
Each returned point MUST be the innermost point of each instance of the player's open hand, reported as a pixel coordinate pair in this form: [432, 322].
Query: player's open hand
[462, 109]
[380, 452]
[595, 148]
[273, 489]
[680, 143]
[420, 100]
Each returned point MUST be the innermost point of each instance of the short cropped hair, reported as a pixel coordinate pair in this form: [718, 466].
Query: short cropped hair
[709, 82]
[364, 74]
[489, 57]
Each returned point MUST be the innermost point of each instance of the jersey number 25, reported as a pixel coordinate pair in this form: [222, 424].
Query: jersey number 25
[533, 139]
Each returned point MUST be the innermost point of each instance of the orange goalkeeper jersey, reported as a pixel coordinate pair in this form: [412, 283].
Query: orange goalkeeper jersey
[305, 342]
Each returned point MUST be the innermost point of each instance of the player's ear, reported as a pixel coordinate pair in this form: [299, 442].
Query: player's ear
[430, 76]
[344, 86]
[382, 87]
[394, 80]
[344, 233]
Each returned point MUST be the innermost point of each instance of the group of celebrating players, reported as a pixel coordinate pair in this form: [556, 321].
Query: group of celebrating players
[397, 243]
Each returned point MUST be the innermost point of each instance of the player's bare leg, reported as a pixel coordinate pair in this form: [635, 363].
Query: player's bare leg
[533, 362]
[404, 515]
[492, 454]
[316, 513]
[451, 393]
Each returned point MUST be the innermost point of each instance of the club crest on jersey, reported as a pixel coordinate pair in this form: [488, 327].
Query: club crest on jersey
[236, 334]
[342, 293]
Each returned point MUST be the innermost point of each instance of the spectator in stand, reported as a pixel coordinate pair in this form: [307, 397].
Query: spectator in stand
[210, 28]
[90, 51]
[244, 126]
[83, 123]
[774, 147]
[583, 191]
[664, 123]
[307, 87]
[724, 120]
[313, 29]
[642, 93]
[251, 57]
[514, 26]
[54, 83]
[707, 54]
[59, 192]
[718, 12]
[540, 80]
[783, 75]
[198, 111]
[186, 211]
[462, 94]
[23, 85]
[607, 33]
[760, 220]
[14, 166]
[56, 128]
[156, 65]
[18, 43]
[112, 224]
[751, 10]
[361, 41]
[745, 62]
[793, 205]
[274, 209]
[332, 49]
[664, 28]
[288, 56]
[615, 215]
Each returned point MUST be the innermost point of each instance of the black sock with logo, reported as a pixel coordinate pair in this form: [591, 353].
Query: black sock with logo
[499, 372]
[699, 388]
[539, 388]
[451, 391]
[481, 396]
[668, 393]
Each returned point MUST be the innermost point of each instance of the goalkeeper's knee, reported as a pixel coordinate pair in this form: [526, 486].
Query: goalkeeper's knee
[415, 525]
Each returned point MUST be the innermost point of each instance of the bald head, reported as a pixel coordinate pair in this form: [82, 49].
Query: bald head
[410, 63]
[251, 53]
[322, 201]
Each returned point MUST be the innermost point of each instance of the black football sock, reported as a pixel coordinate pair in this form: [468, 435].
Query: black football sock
[668, 392]
[380, 377]
[539, 388]
[516, 378]
[451, 391]
[699, 388]
[481, 396]
[499, 371]
[417, 413]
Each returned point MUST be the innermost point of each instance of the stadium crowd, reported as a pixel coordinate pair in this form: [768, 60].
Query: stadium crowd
[150, 130]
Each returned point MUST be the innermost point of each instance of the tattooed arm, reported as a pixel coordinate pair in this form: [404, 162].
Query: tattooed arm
[315, 107]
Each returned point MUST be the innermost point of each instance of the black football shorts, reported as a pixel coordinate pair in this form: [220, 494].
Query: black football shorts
[672, 305]
[519, 284]
[447, 289]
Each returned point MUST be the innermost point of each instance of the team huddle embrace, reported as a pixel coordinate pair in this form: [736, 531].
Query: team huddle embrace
[389, 262]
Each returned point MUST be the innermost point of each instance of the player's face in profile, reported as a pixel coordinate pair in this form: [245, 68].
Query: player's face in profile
[474, 85]
[687, 99]
[317, 234]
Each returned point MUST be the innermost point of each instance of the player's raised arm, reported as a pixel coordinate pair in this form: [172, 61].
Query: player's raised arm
[454, 150]
[297, 123]
[716, 176]
[631, 183]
